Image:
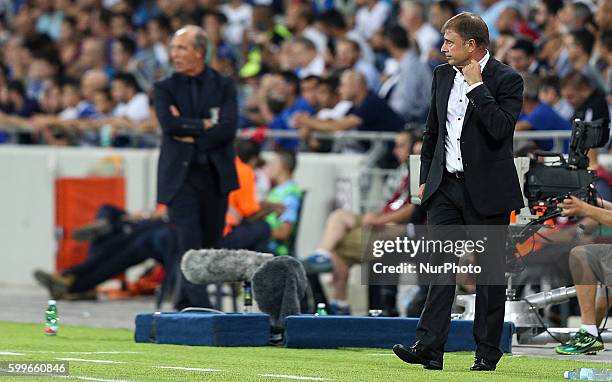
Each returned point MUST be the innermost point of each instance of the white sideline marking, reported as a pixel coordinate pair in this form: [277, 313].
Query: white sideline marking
[98, 352]
[185, 368]
[88, 360]
[10, 353]
[377, 354]
[83, 378]
[295, 377]
[83, 352]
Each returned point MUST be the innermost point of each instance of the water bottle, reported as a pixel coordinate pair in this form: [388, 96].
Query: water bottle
[321, 310]
[106, 135]
[52, 319]
[586, 374]
[248, 296]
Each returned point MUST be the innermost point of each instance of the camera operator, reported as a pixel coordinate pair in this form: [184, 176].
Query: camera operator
[590, 264]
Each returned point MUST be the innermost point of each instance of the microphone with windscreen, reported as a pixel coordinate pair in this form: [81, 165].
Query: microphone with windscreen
[213, 266]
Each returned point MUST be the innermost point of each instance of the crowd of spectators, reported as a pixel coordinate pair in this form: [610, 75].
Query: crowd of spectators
[80, 72]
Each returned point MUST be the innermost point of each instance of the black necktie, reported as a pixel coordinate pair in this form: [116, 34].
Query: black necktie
[194, 84]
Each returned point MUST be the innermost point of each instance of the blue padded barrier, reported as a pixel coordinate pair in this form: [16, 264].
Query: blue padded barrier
[325, 332]
[202, 329]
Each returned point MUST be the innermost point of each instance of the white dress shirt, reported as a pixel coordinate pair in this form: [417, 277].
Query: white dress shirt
[455, 114]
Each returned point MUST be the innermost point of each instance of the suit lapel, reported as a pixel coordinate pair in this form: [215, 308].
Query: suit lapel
[486, 77]
[446, 84]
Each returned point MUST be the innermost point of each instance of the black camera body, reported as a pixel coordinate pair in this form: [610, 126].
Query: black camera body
[548, 181]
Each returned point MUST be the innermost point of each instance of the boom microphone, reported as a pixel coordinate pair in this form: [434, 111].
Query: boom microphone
[211, 266]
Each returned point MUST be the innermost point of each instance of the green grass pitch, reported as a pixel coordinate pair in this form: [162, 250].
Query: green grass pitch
[150, 362]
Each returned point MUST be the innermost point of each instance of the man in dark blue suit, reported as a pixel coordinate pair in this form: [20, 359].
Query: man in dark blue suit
[198, 113]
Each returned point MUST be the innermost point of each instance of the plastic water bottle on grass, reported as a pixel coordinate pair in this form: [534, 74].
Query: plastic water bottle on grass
[52, 319]
[586, 374]
[321, 310]
[248, 296]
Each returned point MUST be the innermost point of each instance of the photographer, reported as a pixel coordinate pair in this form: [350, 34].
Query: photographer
[590, 264]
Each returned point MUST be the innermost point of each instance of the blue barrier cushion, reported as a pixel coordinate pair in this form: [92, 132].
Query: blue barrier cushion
[316, 332]
[201, 329]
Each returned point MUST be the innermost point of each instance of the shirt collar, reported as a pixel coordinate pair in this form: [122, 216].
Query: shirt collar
[197, 77]
[483, 62]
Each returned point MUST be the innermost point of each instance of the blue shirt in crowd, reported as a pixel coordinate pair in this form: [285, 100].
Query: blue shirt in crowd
[542, 118]
[283, 120]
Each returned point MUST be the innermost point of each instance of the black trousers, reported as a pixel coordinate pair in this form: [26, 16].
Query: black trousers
[451, 205]
[119, 251]
[197, 213]
[254, 236]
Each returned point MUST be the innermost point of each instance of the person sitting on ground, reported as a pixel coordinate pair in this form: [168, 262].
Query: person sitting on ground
[117, 242]
[343, 237]
[590, 264]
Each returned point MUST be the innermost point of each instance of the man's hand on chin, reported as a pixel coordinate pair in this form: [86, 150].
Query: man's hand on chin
[471, 72]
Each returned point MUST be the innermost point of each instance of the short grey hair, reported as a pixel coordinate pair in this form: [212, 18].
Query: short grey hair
[356, 76]
[200, 38]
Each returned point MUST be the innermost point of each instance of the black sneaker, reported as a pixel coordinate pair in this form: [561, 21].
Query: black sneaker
[56, 284]
[93, 230]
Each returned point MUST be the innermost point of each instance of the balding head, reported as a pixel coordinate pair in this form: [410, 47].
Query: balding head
[353, 85]
[92, 81]
[198, 36]
[188, 49]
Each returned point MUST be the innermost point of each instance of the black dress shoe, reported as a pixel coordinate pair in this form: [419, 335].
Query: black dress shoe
[480, 364]
[419, 355]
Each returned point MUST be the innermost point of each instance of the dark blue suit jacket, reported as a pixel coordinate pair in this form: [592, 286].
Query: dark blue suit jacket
[215, 91]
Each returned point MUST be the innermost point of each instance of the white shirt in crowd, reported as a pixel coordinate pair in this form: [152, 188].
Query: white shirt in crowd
[316, 67]
[317, 37]
[369, 72]
[391, 72]
[564, 109]
[457, 106]
[428, 38]
[161, 53]
[136, 109]
[69, 113]
[238, 20]
[368, 21]
[337, 112]
[367, 53]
